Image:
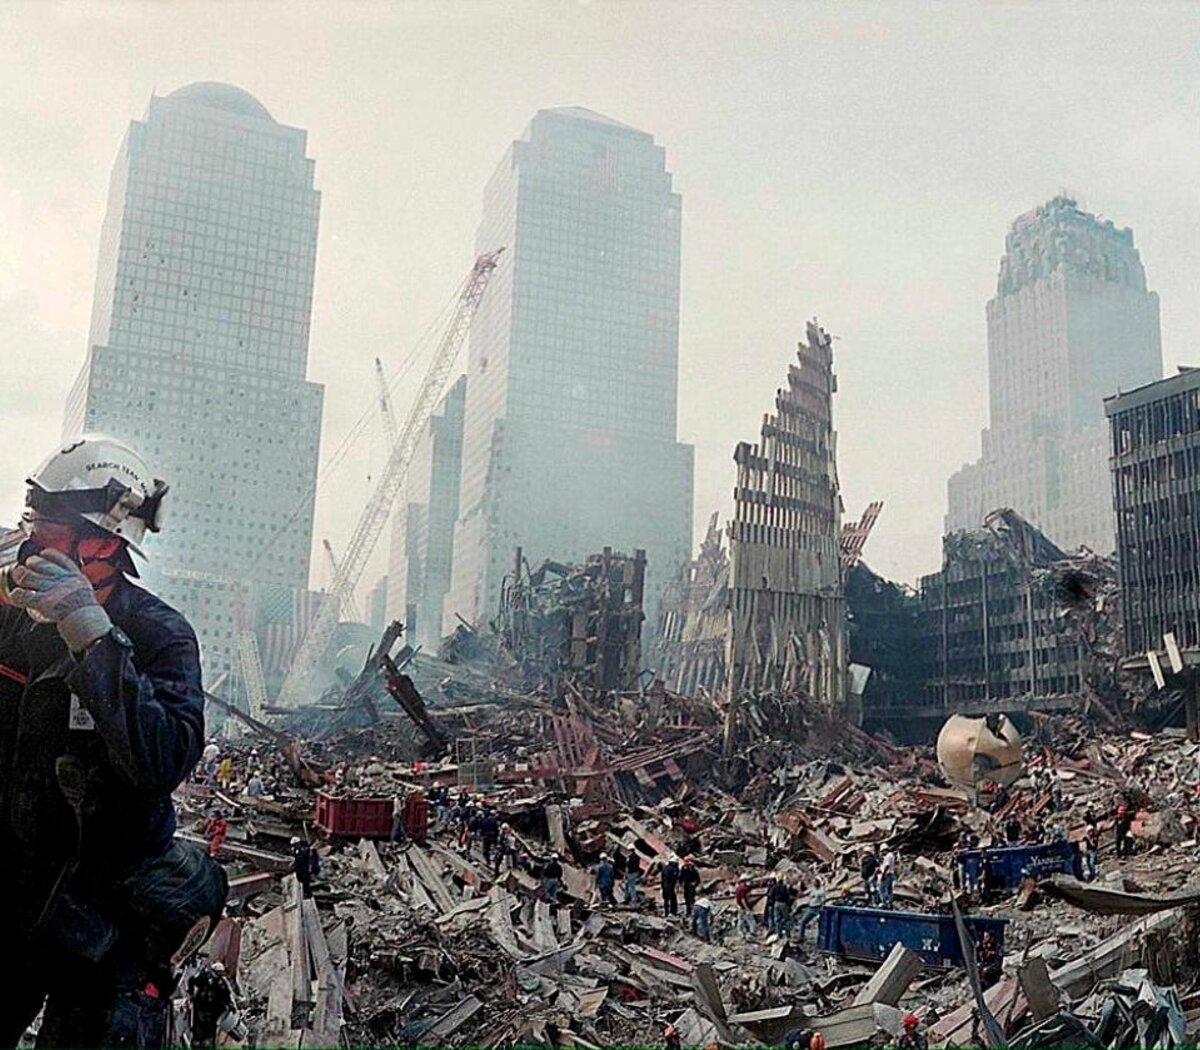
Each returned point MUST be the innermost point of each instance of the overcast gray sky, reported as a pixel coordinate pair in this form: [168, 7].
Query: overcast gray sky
[860, 163]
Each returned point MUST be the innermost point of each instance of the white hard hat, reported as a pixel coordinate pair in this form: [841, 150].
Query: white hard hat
[104, 482]
[218, 967]
[295, 840]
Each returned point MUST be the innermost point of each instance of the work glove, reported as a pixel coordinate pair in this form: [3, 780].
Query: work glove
[53, 589]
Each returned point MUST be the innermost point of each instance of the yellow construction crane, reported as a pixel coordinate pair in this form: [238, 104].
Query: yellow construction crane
[385, 407]
[312, 650]
[352, 611]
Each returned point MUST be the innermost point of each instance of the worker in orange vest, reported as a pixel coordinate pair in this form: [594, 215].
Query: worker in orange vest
[217, 827]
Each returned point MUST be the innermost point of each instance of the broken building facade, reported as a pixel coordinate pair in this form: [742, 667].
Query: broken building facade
[993, 624]
[769, 616]
[573, 626]
[1072, 322]
[1155, 445]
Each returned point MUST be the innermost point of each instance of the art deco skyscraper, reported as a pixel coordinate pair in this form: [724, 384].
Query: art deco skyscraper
[1071, 323]
[198, 347]
[569, 439]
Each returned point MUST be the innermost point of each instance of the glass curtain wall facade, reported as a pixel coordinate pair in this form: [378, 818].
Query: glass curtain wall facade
[198, 350]
[569, 440]
[423, 525]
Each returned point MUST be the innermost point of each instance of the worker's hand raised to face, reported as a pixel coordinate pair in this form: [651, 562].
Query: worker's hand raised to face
[51, 587]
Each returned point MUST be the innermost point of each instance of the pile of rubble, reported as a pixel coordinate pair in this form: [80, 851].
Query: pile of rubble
[427, 942]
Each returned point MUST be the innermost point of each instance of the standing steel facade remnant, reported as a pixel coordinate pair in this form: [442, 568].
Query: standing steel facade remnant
[787, 630]
[689, 651]
[856, 533]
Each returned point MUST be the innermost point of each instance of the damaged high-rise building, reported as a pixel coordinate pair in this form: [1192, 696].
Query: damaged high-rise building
[1072, 322]
[995, 625]
[770, 617]
[569, 433]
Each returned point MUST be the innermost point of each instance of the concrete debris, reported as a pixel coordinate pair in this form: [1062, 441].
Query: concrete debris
[1130, 1011]
[510, 913]
[1104, 900]
[892, 979]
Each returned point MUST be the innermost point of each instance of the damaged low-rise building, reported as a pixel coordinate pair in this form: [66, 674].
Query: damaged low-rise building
[997, 633]
[577, 624]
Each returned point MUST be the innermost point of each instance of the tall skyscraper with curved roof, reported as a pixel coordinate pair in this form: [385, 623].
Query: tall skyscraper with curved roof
[198, 349]
[1072, 322]
[569, 431]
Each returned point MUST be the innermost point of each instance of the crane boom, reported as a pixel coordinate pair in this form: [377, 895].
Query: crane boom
[351, 607]
[385, 407]
[375, 515]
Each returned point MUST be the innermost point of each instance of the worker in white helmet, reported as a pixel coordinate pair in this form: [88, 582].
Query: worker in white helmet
[211, 998]
[103, 718]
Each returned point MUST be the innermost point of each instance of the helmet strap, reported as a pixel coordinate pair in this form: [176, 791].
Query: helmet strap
[102, 562]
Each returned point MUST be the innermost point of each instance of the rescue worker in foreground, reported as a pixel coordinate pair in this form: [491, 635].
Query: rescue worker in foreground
[101, 717]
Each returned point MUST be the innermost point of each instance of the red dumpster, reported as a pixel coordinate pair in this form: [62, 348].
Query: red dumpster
[370, 818]
[366, 818]
[416, 818]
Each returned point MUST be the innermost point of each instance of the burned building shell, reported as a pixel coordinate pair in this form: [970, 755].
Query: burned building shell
[994, 624]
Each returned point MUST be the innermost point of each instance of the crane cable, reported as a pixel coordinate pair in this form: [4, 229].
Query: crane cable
[360, 426]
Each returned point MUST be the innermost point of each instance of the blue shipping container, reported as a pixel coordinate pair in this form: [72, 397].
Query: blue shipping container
[1003, 867]
[870, 933]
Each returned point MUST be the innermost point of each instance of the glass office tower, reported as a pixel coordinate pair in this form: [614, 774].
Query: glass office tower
[198, 349]
[569, 438]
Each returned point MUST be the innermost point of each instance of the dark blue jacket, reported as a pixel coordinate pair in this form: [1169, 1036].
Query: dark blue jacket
[134, 733]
